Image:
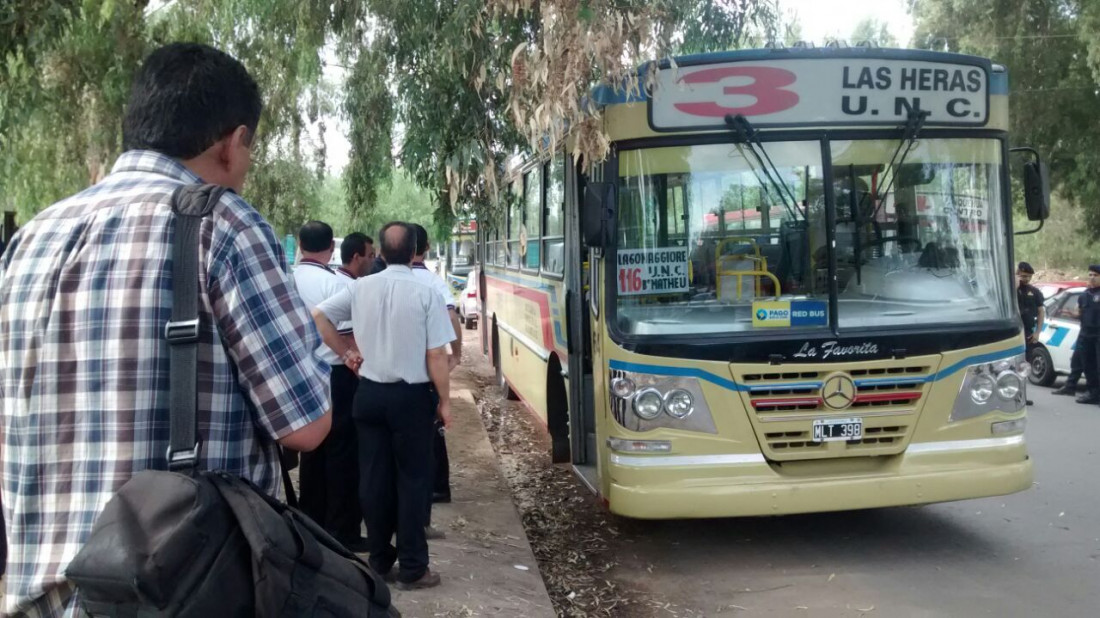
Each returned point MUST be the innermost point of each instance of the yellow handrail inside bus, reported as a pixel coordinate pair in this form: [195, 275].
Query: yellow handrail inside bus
[758, 267]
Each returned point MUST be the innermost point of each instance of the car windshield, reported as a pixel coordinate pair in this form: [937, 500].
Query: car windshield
[712, 238]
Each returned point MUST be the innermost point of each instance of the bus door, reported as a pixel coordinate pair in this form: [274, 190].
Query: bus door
[582, 420]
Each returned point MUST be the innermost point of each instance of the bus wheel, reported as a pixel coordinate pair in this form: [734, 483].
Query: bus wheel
[557, 413]
[505, 390]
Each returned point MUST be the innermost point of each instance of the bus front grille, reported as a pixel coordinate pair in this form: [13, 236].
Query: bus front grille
[784, 405]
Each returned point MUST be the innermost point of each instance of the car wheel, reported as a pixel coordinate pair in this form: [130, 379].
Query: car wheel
[1042, 367]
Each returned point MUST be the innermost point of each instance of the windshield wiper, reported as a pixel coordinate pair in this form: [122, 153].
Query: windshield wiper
[910, 130]
[744, 133]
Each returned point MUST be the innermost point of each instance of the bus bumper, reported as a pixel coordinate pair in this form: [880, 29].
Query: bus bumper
[647, 488]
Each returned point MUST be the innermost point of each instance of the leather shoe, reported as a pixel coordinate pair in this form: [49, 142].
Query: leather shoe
[390, 576]
[439, 497]
[434, 534]
[429, 579]
[1067, 390]
[1088, 399]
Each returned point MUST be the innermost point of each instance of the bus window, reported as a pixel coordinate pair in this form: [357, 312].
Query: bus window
[532, 209]
[553, 238]
[515, 222]
[687, 209]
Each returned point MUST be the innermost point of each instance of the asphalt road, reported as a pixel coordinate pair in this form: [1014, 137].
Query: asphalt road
[1036, 553]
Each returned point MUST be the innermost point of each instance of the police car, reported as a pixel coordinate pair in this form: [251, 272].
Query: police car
[1051, 357]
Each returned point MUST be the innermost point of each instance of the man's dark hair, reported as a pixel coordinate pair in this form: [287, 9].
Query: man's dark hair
[187, 96]
[315, 236]
[397, 245]
[1025, 268]
[421, 238]
[353, 244]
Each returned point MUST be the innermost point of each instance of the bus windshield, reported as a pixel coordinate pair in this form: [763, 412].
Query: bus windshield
[711, 241]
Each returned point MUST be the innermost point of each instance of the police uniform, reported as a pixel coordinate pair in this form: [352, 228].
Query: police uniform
[1030, 300]
[329, 475]
[1088, 341]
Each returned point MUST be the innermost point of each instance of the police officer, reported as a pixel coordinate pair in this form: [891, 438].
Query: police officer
[1030, 301]
[1088, 341]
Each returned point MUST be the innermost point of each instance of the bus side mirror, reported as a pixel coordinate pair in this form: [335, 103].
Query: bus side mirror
[1036, 189]
[598, 200]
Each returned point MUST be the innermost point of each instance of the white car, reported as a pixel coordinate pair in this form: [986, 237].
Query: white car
[469, 306]
[1051, 357]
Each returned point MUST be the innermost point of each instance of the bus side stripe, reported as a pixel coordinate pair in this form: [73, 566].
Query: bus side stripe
[680, 372]
[530, 291]
[693, 372]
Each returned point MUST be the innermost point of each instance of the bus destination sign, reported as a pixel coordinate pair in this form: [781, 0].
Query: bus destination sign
[816, 92]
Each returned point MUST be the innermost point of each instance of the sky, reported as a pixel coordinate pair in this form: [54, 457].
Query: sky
[823, 19]
[820, 20]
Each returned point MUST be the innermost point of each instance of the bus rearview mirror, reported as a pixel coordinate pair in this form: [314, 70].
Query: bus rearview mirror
[1036, 190]
[598, 198]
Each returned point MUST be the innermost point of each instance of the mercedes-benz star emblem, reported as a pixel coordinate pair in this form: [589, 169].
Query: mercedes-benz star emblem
[839, 392]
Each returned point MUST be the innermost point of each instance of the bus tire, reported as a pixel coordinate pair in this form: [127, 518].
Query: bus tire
[1042, 366]
[502, 382]
[557, 413]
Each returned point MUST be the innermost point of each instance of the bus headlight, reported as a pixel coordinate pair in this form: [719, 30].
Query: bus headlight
[648, 404]
[623, 387]
[679, 403]
[981, 389]
[992, 387]
[1009, 384]
[647, 401]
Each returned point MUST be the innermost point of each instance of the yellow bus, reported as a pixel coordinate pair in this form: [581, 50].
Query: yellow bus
[788, 289]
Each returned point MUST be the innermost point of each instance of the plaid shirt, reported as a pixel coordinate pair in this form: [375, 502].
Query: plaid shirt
[85, 291]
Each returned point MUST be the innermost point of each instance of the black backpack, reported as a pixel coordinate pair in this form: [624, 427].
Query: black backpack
[193, 543]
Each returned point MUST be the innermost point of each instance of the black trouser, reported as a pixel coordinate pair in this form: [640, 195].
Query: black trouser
[441, 478]
[1090, 362]
[1076, 366]
[395, 424]
[329, 476]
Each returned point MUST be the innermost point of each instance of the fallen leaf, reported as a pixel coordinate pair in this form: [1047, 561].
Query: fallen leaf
[832, 576]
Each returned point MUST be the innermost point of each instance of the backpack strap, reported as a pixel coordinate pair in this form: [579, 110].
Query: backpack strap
[190, 204]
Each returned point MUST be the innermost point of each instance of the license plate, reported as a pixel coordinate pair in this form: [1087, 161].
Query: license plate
[838, 429]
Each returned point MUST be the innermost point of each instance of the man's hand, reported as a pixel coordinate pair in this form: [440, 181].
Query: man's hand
[452, 361]
[443, 411]
[353, 360]
[1034, 338]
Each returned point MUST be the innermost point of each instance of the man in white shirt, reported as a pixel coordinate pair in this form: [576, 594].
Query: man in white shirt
[441, 488]
[328, 478]
[356, 256]
[403, 321]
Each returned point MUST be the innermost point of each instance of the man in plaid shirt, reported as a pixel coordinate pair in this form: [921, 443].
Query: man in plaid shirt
[85, 292]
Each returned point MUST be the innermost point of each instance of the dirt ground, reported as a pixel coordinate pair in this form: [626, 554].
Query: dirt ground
[578, 543]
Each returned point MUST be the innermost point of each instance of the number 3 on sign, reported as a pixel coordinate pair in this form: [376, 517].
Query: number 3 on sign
[767, 88]
[630, 280]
